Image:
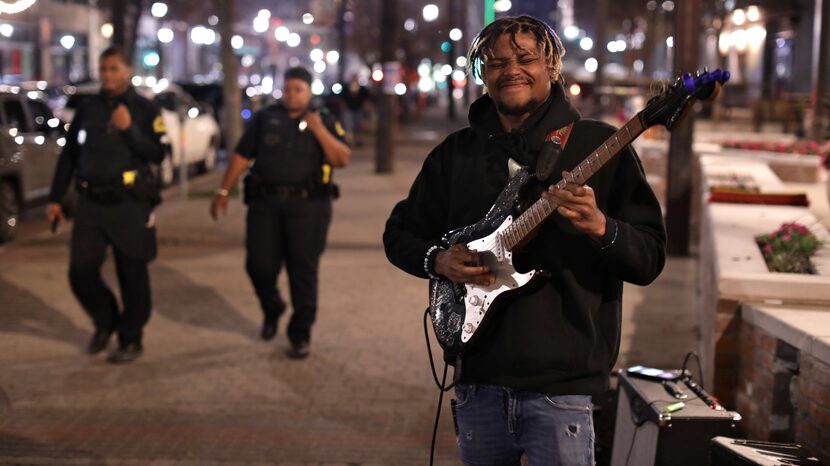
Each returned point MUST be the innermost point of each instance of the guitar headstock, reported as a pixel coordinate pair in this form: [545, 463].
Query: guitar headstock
[669, 107]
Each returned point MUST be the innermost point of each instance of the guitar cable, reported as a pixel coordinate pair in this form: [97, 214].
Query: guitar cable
[442, 387]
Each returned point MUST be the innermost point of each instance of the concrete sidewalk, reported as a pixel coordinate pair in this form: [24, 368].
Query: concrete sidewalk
[208, 391]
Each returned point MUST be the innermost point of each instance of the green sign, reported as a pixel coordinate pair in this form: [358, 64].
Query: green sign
[489, 11]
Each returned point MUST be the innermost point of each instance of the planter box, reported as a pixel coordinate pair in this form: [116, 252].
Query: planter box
[733, 271]
[795, 168]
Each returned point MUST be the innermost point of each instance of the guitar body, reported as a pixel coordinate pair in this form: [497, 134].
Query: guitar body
[459, 312]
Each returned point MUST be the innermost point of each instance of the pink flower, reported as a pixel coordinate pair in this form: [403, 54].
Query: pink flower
[787, 236]
[767, 249]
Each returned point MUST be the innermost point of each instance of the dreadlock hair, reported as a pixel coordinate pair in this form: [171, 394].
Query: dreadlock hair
[482, 46]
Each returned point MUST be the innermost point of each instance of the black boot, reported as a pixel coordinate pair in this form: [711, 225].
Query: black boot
[269, 328]
[298, 350]
[99, 341]
[126, 352]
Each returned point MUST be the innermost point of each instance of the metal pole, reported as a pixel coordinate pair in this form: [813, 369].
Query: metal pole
[387, 100]
[341, 42]
[450, 84]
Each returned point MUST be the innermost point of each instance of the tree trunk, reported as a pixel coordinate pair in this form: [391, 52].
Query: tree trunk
[125, 17]
[230, 66]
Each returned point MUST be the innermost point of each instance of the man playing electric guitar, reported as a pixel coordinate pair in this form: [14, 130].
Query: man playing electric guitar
[525, 388]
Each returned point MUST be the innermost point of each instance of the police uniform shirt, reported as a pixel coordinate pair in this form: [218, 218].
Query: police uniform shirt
[100, 153]
[283, 149]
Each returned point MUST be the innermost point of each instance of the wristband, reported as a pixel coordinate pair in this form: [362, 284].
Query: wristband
[222, 192]
[429, 262]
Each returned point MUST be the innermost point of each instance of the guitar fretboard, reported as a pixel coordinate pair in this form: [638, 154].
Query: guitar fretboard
[542, 209]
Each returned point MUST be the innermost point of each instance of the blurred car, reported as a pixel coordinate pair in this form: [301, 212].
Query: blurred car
[192, 131]
[31, 138]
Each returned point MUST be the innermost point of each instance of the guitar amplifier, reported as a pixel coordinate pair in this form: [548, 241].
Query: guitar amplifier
[646, 433]
[732, 452]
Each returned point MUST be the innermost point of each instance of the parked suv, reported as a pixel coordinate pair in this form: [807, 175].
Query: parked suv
[31, 138]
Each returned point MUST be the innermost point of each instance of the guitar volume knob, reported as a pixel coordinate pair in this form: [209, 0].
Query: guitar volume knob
[468, 328]
[475, 300]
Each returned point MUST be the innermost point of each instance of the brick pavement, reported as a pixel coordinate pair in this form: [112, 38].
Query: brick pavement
[208, 391]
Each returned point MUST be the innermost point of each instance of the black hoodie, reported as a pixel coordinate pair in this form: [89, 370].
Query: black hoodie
[564, 337]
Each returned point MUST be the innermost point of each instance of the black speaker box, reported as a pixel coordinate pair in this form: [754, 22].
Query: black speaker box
[733, 452]
[645, 434]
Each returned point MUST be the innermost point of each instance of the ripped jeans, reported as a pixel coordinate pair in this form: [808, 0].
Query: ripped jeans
[496, 425]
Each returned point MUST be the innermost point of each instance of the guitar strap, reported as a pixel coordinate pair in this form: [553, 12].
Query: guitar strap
[561, 135]
[551, 150]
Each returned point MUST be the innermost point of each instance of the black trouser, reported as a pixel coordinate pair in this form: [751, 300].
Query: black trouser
[293, 231]
[124, 227]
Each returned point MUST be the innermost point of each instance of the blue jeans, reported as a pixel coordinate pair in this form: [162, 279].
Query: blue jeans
[496, 425]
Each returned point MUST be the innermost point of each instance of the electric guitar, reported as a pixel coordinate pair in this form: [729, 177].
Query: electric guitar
[460, 311]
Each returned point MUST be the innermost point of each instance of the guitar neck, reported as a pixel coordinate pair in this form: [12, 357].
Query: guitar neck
[537, 213]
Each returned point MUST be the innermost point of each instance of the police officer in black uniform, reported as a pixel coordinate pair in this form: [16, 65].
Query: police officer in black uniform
[112, 140]
[288, 191]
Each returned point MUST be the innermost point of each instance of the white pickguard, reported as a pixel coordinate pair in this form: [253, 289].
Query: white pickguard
[479, 298]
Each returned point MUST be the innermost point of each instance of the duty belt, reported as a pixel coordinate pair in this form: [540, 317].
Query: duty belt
[106, 193]
[286, 191]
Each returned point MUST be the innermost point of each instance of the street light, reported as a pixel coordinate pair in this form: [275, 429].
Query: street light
[158, 9]
[281, 33]
[67, 41]
[107, 30]
[571, 32]
[16, 7]
[501, 6]
[591, 65]
[308, 18]
[261, 23]
[456, 34]
[165, 35]
[586, 43]
[202, 35]
[293, 39]
[237, 42]
[430, 12]
[738, 17]
[753, 14]
[6, 30]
